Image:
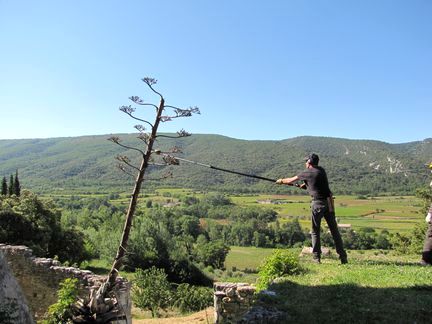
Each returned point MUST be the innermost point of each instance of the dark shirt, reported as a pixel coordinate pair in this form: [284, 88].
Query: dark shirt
[316, 181]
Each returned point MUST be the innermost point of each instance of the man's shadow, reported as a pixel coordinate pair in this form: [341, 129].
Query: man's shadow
[348, 303]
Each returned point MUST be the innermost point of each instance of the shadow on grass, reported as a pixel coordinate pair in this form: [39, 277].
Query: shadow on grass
[348, 303]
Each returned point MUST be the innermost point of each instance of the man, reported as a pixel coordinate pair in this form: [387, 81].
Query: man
[315, 179]
[427, 247]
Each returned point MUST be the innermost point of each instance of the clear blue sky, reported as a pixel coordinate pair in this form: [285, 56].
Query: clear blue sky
[359, 69]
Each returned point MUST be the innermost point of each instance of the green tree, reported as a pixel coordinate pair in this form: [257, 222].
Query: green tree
[212, 253]
[217, 199]
[151, 290]
[289, 233]
[36, 223]
[17, 186]
[4, 188]
[187, 225]
[11, 185]
[190, 298]
[15, 229]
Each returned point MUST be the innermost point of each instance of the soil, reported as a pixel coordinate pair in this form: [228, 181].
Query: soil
[203, 317]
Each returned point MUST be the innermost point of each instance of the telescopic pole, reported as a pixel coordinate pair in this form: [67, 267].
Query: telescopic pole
[220, 169]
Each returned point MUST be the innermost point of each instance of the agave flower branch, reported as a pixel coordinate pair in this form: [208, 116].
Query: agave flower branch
[149, 139]
[117, 140]
[180, 133]
[130, 111]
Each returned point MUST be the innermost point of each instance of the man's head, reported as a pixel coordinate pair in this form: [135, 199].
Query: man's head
[312, 159]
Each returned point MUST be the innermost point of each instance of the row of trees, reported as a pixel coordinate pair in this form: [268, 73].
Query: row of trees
[196, 233]
[14, 187]
[199, 230]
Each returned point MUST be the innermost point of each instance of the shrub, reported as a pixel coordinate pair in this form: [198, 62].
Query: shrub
[280, 263]
[192, 298]
[151, 290]
[61, 312]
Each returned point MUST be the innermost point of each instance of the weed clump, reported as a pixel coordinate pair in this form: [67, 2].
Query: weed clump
[279, 264]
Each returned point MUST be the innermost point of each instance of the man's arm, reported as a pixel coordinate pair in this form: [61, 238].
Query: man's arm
[287, 181]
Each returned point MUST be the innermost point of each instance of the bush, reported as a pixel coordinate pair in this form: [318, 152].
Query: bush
[192, 298]
[61, 312]
[280, 263]
[151, 290]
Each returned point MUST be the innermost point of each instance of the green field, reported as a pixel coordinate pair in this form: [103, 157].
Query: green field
[395, 214]
[392, 213]
[242, 258]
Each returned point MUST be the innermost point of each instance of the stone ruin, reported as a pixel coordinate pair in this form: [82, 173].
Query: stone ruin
[29, 285]
[235, 303]
[39, 280]
[13, 305]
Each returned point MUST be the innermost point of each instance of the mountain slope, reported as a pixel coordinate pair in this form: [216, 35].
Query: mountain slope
[354, 166]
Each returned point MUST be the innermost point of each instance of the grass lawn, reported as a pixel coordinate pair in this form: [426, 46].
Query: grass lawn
[375, 287]
[374, 290]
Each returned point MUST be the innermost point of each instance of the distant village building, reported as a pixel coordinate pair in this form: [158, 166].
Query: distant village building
[266, 201]
[171, 204]
[271, 202]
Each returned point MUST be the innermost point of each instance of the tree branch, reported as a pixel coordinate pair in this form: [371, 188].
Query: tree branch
[180, 113]
[116, 140]
[150, 82]
[180, 133]
[140, 102]
[124, 159]
[122, 168]
[164, 176]
[129, 110]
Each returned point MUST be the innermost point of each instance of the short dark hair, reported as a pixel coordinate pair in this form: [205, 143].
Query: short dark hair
[312, 159]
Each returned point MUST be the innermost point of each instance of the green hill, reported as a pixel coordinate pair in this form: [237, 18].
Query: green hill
[88, 162]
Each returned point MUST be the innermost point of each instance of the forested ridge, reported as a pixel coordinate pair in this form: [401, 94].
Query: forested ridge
[354, 166]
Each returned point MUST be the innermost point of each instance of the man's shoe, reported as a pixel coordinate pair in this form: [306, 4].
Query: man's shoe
[344, 260]
[424, 263]
[316, 260]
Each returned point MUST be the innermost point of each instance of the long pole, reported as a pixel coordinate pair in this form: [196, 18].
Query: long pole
[220, 169]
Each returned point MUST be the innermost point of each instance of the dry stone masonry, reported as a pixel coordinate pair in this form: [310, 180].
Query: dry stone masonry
[39, 279]
[232, 301]
[13, 305]
[235, 303]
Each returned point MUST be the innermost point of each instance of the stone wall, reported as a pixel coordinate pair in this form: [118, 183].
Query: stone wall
[13, 305]
[232, 301]
[236, 303]
[39, 279]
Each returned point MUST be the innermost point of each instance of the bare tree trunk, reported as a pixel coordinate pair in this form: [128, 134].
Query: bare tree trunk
[134, 200]
[98, 309]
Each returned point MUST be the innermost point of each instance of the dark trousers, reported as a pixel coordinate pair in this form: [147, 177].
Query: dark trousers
[320, 210]
[427, 247]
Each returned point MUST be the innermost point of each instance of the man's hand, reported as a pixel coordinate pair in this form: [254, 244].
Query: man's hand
[279, 181]
[428, 218]
[303, 186]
